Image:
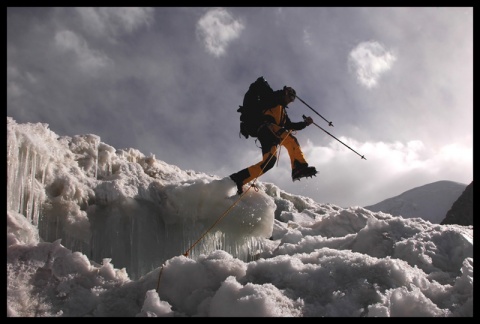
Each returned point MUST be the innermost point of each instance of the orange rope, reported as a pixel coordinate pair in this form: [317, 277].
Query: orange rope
[187, 252]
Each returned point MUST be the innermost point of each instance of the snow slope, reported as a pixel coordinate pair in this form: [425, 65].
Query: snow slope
[430, 202]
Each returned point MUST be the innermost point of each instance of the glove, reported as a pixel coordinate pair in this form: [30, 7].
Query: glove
[308, 120]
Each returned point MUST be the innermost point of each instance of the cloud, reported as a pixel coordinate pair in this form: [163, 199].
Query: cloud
[393, 158]
[389, 169]
[14, 88]
[456, 153]
[414, 154]
[114, 22]
[216, 29]
[307, 37]
[368, 61]
[87, 59]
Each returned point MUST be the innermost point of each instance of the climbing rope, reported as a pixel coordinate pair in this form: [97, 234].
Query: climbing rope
[253, 185]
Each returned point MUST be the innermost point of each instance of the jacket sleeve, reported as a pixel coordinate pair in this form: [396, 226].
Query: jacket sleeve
[295, 126]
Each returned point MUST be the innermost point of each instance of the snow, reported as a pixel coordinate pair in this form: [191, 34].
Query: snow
[96, 231]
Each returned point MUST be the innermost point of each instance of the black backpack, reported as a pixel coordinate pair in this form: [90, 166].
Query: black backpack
[258, 98]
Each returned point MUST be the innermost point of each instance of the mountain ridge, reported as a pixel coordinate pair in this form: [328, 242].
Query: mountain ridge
[461, 212]
[431, 201]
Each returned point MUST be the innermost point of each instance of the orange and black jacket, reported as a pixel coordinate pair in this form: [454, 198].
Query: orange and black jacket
[278, 113]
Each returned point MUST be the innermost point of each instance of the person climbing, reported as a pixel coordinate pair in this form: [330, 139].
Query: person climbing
[274, 130]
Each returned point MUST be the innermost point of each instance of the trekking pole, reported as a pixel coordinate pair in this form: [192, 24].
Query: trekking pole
[329, 122]
[362, 156]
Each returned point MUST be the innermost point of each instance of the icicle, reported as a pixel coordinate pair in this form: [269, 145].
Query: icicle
[96, 158]
[30, 176]
[21, 181]
[24, 192]
[12, 167]
[36, 189]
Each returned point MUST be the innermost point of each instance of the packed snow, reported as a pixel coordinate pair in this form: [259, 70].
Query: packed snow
[96, 231]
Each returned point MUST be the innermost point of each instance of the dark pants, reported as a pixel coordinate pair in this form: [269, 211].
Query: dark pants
[270, 136]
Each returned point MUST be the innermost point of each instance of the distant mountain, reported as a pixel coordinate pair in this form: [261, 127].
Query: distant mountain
[461, 212]
[430, 202]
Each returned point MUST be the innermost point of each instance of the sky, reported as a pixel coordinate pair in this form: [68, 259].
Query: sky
[94, 231]
[396, 83]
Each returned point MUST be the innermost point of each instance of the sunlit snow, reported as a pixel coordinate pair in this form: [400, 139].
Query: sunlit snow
[97, 231]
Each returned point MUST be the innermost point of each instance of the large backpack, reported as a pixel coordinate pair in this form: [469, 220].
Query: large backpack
[257, 99]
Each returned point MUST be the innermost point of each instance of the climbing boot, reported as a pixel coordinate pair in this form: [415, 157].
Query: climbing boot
[238, 182]
[303, 171]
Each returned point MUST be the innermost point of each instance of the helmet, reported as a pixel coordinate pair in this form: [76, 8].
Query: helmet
[292, 94]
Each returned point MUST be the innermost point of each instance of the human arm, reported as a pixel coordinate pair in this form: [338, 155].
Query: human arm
[297, 125]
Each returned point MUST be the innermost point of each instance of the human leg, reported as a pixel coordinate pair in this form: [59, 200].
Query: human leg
[268, 143]
[300, 168]
[290, 142]
[256, 170]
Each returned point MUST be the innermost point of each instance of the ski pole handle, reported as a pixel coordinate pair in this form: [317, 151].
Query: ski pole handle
[308, 120]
